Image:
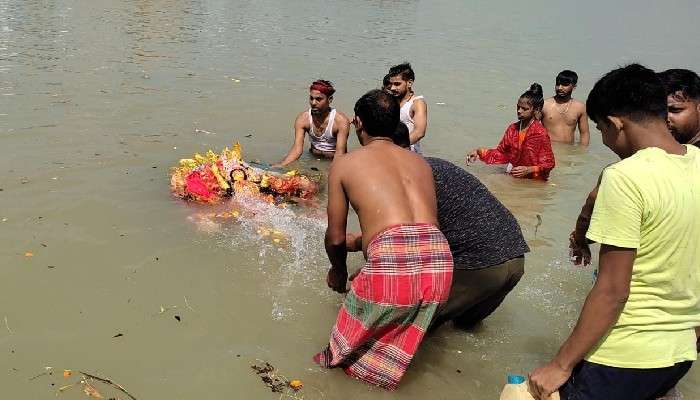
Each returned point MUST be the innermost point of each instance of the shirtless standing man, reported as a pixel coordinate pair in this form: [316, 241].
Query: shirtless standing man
[327, 128]
[414, 110]
[562, 113]
[408, 272]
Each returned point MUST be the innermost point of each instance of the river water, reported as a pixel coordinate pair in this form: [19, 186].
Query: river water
[99, 98]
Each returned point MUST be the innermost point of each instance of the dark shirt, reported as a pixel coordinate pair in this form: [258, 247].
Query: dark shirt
[479, 228]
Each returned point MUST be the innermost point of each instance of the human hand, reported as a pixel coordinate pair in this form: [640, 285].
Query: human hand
[336, 280]
[472, 156]
[579, 252]
[357, 272]
[546, 380]
[520, 171]
[351, 242]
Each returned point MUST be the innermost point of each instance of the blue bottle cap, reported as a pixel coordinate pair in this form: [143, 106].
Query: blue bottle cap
[516, 379]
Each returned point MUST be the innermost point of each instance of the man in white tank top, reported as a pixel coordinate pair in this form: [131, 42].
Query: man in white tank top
[327, 128]
[414, 110]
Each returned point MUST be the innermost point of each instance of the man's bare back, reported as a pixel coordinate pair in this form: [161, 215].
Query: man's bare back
[561, 119]
[386, 185]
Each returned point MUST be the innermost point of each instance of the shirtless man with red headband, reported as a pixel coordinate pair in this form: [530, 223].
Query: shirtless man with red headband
[327, 128]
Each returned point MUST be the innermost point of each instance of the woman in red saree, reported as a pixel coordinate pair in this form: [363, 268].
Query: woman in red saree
[525, 146]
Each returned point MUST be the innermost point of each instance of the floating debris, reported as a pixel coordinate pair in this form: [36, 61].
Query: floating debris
[267, 374]
[296, 384]
[7, 325]
[88, 383]
[196, 130]
[187, 304]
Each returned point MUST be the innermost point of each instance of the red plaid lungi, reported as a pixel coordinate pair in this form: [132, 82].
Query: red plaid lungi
[390, 305]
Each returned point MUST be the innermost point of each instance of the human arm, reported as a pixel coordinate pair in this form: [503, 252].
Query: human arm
[584, 134]
[580, 252]
[353, 242]
[541, 147]
[298, 146]
[616, 224]
[472, 156]
[420, 120]
[600, 311]
[341, 143]
[335, 241]
[499, 155]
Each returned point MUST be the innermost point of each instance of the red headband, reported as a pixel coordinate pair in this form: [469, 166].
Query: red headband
[323, 88]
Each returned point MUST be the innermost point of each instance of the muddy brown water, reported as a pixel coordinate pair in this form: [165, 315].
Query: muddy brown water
[98, 99]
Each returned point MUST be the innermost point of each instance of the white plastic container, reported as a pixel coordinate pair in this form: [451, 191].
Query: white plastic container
[516, 389]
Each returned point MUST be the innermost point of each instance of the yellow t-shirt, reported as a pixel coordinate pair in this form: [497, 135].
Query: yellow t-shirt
[651, 202]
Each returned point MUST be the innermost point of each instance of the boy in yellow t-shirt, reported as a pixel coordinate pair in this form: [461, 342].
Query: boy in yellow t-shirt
[635, 337]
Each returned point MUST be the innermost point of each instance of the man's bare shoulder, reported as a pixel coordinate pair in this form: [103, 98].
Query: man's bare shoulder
[578, 103]
[346, 168]
[302, 119]
[339, 166]
[420, 102]
[548, 104]
[341, 118]
[578, 106]
[348, 158]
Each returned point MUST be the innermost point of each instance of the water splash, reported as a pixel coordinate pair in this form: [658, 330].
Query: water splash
[285, 242]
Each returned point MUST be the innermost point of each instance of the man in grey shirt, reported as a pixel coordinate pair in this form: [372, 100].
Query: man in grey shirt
[485, 240]
[486, 243]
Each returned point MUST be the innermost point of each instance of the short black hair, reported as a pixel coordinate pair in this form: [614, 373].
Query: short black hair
[534, 96]
[684, 81]
[404, 70]
[401, 136]
[385, 81]
[632, 91]
[379, 113]
[567, 77]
